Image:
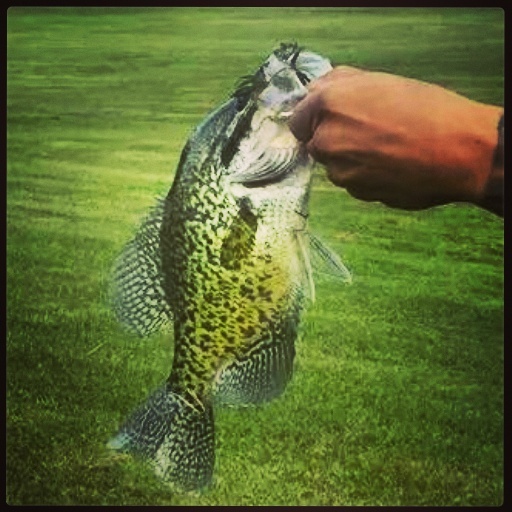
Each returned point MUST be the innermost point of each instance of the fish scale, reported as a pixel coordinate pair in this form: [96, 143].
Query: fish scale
[224, 257]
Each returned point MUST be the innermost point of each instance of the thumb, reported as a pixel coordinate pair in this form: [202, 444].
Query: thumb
[303, 121]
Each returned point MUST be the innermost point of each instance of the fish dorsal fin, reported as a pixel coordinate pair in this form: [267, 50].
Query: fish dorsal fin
[137, 288]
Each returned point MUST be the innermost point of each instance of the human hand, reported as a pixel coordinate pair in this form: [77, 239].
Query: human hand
[406, 143]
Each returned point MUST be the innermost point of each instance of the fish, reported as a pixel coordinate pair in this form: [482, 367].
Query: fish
[225, 259]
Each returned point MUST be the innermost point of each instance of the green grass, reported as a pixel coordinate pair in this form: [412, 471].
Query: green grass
[397, 397]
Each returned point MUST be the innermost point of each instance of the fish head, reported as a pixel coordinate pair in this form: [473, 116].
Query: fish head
[287, 73]
[259, 148]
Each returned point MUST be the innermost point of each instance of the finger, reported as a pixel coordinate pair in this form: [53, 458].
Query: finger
[344, 71]
[372, 192]
[345, 173]
[336, 165]
[307, 113]
[303, 121]
[338, 74]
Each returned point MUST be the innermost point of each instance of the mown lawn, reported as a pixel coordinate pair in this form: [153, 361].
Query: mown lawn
[397, 397]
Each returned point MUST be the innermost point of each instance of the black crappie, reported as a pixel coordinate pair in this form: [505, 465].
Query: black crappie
[226, 256]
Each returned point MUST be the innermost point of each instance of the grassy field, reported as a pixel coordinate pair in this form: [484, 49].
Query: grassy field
[397, 397]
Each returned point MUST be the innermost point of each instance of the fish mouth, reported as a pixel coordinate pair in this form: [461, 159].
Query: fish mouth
[284, 116]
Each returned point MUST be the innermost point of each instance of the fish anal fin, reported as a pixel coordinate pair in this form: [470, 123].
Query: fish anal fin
[262, 372]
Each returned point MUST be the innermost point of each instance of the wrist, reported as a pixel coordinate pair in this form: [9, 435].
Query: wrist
[492, 196]
[471, 155]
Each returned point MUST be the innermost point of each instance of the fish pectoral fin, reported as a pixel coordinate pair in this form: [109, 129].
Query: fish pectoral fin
[304, 256]
[262, 372]
[137, 285]
[326, 262]
[269, 166]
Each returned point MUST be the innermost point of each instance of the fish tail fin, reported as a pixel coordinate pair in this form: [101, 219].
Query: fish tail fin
[175, 435]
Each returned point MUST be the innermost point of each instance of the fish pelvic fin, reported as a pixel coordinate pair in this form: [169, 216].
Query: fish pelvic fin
[137, 284]
[175, 435]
